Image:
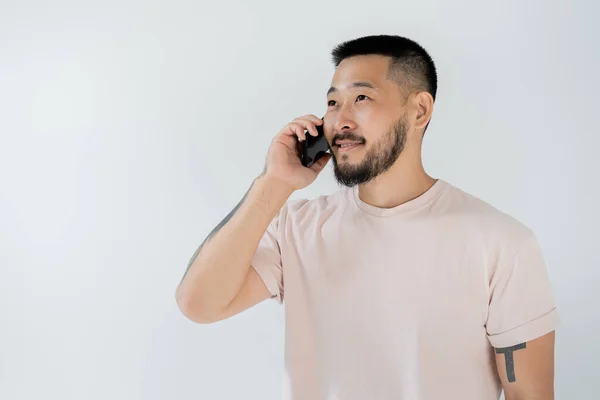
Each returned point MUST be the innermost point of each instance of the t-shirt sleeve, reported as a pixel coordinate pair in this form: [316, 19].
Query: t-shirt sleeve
[521, 305]
[267, 258]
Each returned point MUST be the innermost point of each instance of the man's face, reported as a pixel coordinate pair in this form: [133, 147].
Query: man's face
[365, 123]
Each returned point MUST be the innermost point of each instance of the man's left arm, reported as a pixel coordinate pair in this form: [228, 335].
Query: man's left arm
[526, 370]
[522, 319]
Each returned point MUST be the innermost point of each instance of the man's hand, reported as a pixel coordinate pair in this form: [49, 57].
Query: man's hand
[527, 369]
[283, 161]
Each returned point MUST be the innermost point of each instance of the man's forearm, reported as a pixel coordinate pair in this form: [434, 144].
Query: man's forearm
[218, 268]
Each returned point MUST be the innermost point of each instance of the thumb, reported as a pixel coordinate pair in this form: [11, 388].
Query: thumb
[320, 163]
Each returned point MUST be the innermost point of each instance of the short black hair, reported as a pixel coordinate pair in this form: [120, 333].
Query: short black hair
[410, 65]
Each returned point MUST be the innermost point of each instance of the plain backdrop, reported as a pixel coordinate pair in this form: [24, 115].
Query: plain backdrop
[129, 129]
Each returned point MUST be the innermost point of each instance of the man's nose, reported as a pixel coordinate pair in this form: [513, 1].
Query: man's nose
[344, 122]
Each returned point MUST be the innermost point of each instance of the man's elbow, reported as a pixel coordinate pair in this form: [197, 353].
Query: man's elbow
[194, 309]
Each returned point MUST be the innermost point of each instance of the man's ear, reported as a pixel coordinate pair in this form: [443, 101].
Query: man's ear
[422, 103]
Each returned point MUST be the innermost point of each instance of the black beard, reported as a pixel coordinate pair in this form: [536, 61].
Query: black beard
[378, 159]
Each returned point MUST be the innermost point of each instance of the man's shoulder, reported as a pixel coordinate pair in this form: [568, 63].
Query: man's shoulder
[320, 202]
[302, 208]
[484, 216]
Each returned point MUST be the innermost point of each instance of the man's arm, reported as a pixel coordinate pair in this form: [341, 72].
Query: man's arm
[527, 370]
[219, 281]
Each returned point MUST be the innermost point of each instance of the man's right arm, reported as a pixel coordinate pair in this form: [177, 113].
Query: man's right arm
[219, 281]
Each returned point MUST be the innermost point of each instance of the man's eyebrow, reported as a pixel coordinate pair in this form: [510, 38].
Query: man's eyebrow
[355, 85]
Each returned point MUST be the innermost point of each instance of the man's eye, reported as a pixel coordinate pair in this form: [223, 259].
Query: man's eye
[332, 102]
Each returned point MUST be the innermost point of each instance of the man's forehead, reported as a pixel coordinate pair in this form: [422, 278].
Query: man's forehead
[365, 84]
[360, 71]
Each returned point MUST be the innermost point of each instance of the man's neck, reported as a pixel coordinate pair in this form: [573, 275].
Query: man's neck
[404, 181]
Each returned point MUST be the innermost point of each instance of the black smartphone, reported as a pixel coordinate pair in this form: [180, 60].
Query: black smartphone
[314, 147]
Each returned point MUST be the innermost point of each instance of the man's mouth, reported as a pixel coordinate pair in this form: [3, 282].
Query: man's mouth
[346, 145]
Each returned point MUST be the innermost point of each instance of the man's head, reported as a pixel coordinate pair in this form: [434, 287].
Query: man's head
[380, 100]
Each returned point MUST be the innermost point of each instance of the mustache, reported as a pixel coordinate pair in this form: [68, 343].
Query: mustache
[348, 136]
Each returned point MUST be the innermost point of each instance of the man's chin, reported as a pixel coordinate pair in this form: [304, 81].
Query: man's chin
[350, 176]
[349, 161]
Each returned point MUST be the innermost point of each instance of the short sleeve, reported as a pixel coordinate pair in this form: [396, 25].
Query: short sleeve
[267, 258]
[521, 304]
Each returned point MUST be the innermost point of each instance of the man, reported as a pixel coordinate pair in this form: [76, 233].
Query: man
[399, 285]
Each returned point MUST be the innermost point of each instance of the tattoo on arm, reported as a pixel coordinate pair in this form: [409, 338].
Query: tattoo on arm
[215, 230]
[510, 362]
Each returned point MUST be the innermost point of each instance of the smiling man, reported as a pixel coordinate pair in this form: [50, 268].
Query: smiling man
[397, 286]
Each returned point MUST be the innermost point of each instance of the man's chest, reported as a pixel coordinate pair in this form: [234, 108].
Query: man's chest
[388, 279]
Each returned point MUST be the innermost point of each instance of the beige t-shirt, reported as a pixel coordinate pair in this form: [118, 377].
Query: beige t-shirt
[404, 302]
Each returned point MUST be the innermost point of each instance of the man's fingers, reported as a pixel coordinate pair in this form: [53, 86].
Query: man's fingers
[298, 129]
[311, 118]
[299, 125]
[310, 122]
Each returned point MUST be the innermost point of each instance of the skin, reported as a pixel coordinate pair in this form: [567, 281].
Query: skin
[220, 283]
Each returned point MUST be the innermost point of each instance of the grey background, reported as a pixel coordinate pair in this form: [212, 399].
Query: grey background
[130, 128]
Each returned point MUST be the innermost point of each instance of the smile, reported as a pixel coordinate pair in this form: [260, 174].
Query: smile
[344, 147]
